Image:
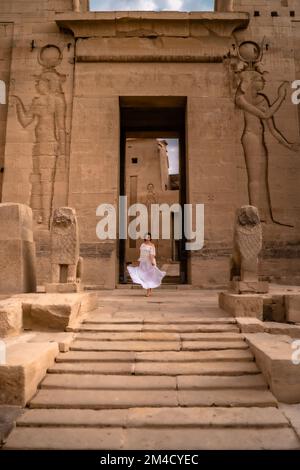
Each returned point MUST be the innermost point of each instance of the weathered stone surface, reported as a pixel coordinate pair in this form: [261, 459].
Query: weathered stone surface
[242, 305]
[17, 249]
[53, 312]
[259, 398]
[126, 346]
[64, 340]
[192, 368]
[292, 413]
[157, 417]
[274, 357]
[202, 382]
[247, 244]
[101, 399]
[91, 368]
[250, 325]
[11, 317]
[170, 438]
[292, 305]
[25, 367]
[63, 288]
[249, 287]
[275, 328]
[8, 417]
[274, 308]
[108, 382]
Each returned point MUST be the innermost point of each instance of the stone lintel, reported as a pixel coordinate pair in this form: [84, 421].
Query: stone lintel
[152, 24]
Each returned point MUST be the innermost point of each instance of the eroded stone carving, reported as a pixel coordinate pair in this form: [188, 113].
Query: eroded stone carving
[247, 244]
[80, 5]
[223, 5]
[48, 112]
[258, 115]
[66, 264]
[17, 249]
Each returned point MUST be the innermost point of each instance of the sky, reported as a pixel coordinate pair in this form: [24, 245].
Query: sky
[154, 5]
[173, 154]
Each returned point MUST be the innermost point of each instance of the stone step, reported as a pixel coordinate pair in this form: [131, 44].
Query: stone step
[196, 368]
[125, 346]
[168, 328]
[61, 398]
[97, 356]
[128, 336]
[157, 368]
[194, 417]
[210, 345]
[163, 319]
[206, 382]
[82, 438]
[155, 345]
[157, 336]
[103, 398]
[97, 368]
[133, 382]
[159, 356]
[108, 382]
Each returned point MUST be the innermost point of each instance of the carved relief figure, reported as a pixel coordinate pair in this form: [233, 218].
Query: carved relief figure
[151, 196]
[66, 264]
[247, 244]
[258, 115]
[48, 112]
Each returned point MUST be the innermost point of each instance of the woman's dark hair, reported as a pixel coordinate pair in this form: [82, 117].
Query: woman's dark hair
[146, 234]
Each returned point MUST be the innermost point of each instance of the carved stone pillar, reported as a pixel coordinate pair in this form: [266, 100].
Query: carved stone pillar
[80, 6]
[223, 5]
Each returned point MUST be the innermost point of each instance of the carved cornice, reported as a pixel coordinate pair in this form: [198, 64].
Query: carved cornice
[152, 36]
[145, 24]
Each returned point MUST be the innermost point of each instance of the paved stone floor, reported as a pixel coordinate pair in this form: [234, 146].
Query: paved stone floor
[167, 372]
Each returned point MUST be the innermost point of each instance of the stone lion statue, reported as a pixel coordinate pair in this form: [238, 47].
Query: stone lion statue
[66, 264]
[247, 244]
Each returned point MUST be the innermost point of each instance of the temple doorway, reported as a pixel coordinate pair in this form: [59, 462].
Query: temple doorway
[152, 171]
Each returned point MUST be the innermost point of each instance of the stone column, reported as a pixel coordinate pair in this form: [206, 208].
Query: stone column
[17, 249]
[223, 5]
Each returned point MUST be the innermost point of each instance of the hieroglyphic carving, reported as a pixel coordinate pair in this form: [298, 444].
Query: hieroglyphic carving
[258, 115]
[247, 244]
[150, 197]
[64, 238]
[48, 111]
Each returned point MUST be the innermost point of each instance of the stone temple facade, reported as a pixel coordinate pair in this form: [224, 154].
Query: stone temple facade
[78, 84]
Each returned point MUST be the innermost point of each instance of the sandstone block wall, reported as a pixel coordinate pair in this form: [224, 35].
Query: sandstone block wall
[64, 139]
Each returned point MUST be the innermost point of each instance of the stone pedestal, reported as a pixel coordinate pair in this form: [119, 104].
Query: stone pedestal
[278, 359]
[56, 312]
[249, 287]
[17, 249]
[63, 288]
[242, 305]
[292, 305]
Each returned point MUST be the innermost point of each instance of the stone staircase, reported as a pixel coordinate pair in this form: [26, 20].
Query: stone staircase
[167, 372]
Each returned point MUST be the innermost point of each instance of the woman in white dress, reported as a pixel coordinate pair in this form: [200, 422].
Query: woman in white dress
[147, 273]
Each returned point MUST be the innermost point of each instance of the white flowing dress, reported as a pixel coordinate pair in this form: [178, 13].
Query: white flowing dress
[147, 275]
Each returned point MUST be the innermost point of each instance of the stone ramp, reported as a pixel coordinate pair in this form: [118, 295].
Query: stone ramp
[142, 383]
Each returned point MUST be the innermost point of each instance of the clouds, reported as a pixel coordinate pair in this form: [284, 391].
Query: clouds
[154, 5]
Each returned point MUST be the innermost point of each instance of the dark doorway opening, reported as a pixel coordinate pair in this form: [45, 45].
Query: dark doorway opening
[152, 132]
